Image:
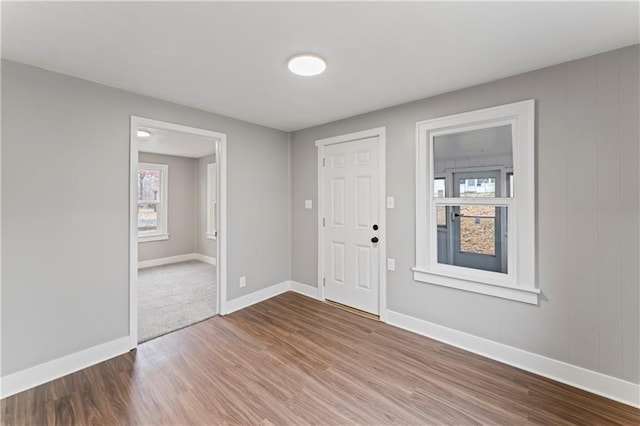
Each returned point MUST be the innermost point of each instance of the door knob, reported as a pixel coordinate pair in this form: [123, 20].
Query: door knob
[374, 240]
[375, 227]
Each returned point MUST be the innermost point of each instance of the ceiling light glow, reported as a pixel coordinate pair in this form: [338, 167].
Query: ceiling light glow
[307, 65]
[143, 134]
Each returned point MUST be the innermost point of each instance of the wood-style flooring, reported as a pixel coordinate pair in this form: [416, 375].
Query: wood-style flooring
[293, 360]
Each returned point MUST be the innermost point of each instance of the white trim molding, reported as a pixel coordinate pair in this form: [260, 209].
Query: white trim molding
[591, 381]
[304, 289]
[380, 133]
[256, 297]
[150, 238]
[206, 259]
[269, 292]
[176, 259]
[34, 376]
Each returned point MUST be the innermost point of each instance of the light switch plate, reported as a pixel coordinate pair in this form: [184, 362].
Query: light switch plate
[391, 264]
[243, 281]
[390, 202]
[308, 204]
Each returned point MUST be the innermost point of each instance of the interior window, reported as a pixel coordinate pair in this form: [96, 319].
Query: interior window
[466, 225]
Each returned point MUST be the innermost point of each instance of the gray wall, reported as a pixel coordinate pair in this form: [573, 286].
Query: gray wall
[587, 214]
[182, 208]
[65, 209]
[203, 244]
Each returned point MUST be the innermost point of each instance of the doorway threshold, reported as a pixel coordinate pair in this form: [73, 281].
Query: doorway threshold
[352, 310]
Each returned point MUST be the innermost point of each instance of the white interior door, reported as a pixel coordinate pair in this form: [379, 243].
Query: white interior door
[351, 224]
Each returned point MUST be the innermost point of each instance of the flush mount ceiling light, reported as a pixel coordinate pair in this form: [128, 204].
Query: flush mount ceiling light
[307, 65]
[143, 134]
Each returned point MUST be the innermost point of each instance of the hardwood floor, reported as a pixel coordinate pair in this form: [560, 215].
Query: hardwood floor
[294, 360]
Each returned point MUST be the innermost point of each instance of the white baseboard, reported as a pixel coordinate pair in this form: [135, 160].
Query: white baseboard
[255, 297]
[268, 293]
[206, 259]
[176, 259]
[304, 289]
[591, 381]
[31, 377]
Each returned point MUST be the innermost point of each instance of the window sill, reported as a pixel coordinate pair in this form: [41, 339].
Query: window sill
[211, 236]
[149, 238]
[520, 294]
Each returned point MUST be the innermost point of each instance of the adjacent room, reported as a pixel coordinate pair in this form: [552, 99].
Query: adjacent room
[176, 230]
[320, 213]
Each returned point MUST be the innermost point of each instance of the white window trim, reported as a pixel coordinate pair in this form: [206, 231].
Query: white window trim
[162, 233]
[520, 281]
[212, 232]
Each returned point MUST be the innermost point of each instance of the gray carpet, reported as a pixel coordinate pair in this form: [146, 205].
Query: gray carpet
[174, 296]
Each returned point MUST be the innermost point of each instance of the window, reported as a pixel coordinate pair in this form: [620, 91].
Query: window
[212, 198]
[474, 221]
[152, 202]
[439, 189]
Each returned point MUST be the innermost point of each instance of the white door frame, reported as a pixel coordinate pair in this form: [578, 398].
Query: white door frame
[380, 133]
[221, 253]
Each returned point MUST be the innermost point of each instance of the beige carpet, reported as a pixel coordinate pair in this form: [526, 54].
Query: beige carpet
[174, 296]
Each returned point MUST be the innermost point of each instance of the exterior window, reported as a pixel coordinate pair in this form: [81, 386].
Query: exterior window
[152, 202]
[212, 200]
[472, 232]
[439, 190]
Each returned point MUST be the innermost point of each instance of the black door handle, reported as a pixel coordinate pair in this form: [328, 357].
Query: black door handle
[374, 240]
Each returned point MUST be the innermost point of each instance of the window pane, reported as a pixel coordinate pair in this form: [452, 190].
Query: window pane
[147, 217]
[149, 185]
[478, 230]
[481, 187]
[477, 237]
[441, 215]
[438, 187]
[469, 150]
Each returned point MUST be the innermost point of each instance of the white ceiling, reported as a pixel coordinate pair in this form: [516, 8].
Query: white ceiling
[230, 58]
[170, 142]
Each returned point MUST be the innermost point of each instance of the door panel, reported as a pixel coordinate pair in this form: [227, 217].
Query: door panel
[338, 262]
[337, 201]
[351, 210]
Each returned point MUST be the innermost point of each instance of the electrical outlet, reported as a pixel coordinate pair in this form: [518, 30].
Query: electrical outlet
[243, 281]
[391, 264]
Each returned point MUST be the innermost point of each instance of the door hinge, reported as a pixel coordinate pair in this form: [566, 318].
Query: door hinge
[323, 222]
[323, 162]
[324, 284]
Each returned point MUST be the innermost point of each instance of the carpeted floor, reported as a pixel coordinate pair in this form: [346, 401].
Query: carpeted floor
[174, 296]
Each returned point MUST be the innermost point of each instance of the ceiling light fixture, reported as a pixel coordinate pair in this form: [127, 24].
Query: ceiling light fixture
[307, 65]
[143, 134]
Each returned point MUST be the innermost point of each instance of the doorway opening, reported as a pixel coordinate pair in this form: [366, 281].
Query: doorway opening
[177, 227]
